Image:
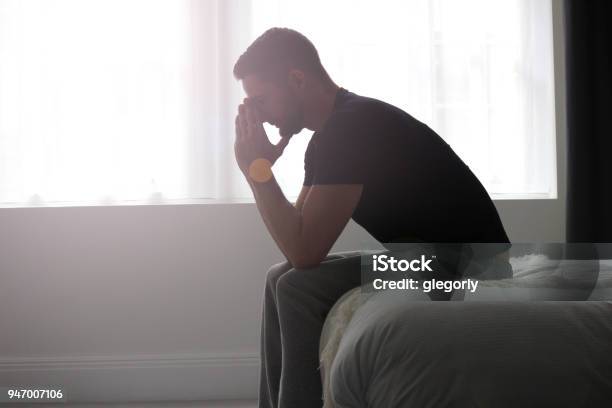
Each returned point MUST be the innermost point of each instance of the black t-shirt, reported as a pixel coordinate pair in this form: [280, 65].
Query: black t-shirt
[415, 188]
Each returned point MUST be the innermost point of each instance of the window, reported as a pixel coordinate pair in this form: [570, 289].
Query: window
[119, 101]
[478, 72]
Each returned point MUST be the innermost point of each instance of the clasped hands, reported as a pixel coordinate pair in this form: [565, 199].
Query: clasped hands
[254, 152]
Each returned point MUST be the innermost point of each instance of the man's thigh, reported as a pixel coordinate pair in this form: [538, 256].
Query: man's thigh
[338, 273]
[277, 270]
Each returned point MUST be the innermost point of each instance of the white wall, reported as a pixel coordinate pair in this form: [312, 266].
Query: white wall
[155, 289]
[148, 286]
[163, 302]
[144, 291]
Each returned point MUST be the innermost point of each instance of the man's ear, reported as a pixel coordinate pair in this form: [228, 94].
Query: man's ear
[296, 79]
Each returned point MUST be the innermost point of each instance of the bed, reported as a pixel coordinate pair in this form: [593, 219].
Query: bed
[393, 349]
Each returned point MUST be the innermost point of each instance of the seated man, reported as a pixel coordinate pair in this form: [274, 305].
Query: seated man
[367, 160]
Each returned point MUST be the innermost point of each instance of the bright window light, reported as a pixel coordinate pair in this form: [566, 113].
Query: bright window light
[478, 72]
[119, 101]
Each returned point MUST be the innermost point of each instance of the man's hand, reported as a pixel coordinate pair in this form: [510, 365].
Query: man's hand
[251, 140]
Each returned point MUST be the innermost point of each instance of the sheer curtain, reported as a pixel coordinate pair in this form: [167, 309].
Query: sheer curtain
[132, 101]
[479, 72]
[111, 101]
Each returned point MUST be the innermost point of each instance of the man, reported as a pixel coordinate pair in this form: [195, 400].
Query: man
[368, 161]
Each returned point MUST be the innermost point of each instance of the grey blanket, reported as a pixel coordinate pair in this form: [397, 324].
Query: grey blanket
[397, 351]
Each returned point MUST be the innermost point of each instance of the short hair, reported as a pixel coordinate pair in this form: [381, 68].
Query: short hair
[275, 52]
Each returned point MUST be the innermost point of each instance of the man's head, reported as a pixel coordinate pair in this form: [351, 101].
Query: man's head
[278, 72]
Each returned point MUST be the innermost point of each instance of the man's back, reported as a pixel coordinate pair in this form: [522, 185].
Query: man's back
[415, 187]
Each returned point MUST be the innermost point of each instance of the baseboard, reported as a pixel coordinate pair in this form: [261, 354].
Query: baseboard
[168, 377]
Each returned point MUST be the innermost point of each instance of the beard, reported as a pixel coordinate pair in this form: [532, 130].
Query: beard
[294, 122]
[290, 130]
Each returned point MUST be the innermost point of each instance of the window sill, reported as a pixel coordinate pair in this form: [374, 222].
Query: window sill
[217, 201]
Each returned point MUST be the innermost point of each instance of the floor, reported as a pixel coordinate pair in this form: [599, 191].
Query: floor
[195, 404]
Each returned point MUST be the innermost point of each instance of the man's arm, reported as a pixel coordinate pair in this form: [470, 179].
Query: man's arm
[298, 205]
[306, 232]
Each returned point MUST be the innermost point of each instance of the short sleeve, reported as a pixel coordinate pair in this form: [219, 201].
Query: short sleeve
[341, 156]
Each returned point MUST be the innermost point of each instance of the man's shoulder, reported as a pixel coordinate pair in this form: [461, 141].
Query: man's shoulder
[354, 115]
[364, 113]
[356, 105]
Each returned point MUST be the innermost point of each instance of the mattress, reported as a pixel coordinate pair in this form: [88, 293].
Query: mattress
[393, 349]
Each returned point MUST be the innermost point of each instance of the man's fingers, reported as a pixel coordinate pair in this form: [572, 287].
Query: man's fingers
[242, 121]
[250, 116]
[238, 128]
[257, 114]
[242, 113]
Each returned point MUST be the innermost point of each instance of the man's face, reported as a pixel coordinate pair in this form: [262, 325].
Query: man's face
[277, 104]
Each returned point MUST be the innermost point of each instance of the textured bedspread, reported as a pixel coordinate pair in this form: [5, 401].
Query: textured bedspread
[391, 350]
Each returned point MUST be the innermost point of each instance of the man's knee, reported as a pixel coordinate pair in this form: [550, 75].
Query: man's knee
[275, 272]
[292, 280]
